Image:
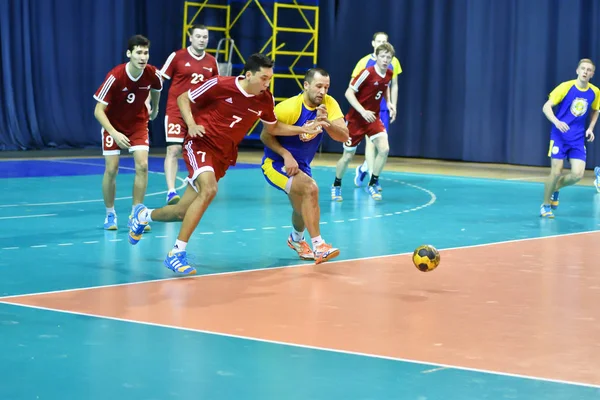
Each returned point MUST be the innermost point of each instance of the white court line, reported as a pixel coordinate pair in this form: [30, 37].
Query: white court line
[329, 350]
[288, 266]
[29, 216]
[58, 203]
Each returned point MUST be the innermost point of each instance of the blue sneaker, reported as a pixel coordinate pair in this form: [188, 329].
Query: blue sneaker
[554, 200]
[597, 180]
[546, 211]
[136, 227]
[378, 187]
[110, 222]
[336, 193]
[359, 176]
[372, 190]
[178, 263]
[172, 198]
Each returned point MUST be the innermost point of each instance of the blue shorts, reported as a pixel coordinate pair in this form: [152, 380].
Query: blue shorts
[274, 173]
[384, 116]
[561, 149]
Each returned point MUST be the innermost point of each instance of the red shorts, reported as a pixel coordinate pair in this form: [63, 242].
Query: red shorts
[138, 141]
[175, 128]
[360, 128]
[200, 158]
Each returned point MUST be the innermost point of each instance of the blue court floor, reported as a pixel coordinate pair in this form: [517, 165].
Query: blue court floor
[52, 240]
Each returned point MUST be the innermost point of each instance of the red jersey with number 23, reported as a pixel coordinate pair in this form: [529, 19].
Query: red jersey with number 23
[227, 113]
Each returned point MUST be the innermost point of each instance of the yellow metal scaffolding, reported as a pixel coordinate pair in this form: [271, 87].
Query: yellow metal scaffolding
[272, 13]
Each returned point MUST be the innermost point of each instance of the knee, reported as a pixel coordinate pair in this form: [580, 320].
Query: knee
[383, 149]
[578, 174]
[347, 156]
[311, 189]
[141, 167]
[111, 171]
[173, 151]
[208, 192]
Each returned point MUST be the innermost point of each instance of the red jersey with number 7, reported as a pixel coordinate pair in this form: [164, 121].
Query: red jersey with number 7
[369, 87]
[227, 113]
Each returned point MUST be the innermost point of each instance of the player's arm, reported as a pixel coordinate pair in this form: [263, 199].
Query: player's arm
[369, 116]
[549, 113]
[270, 141]
[100, 113]
[154, 99]
[281, 129]
[391, 106]
[589, 133]
[394, 98]
[183, 102]
[337, 130]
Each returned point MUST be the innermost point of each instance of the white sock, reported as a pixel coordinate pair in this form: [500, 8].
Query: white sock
[146, 215]
[316, 241]
[110, 210]
[297, 236]
[179, 246]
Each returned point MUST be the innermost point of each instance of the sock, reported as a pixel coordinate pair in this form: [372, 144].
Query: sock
[374, 180]
[179, 246]
[316, 241]
[337, 182]
[297, 236]
[110, 210]
[146, 215]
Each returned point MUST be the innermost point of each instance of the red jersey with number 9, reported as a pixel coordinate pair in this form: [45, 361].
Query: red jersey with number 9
[227, 113]
[125, 97]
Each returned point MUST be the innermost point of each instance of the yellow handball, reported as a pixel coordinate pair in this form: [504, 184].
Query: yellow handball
[426, 258]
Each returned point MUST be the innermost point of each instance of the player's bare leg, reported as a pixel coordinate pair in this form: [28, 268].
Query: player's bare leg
[550, 187]
[574, 176]
[370, 154]
[171, 169]
[296, 239]
[109, 189]
[363, 170]
[140, 181]
[383, 149]
[340, 169]
[304, 196]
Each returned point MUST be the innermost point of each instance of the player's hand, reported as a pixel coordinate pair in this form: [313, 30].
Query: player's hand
[196, 130]
[369, 116]
[121, 140]
[290, 165]
[153, 114]
[589, 135]
[322, 113]
[312, 129]
[392, 109]
[561, 126]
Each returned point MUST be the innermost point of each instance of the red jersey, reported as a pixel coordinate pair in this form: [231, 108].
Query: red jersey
[369, 87]
[186, 70]
[126, 96]
[227, 113]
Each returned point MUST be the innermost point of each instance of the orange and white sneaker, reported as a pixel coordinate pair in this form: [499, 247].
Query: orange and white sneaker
[302, 248]
[324, 252]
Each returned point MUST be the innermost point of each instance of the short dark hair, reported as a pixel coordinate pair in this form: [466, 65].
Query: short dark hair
[137, 40]
[310, 74]
[257, 61]
[196, 26]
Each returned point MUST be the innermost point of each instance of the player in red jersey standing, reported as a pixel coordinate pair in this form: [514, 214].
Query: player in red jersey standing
[121, 110]
[364, 95]
[185, 68]
[218, 114]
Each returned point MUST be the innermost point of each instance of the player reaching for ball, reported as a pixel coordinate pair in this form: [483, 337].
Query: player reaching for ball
[286, 162]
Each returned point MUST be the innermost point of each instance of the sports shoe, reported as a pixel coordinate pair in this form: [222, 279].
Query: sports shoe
[597, 180]
[146, 228]
[136, 227]
[324, 252]
[302, 248]
[359, 176]
[546, 211]
[554, 200]
[336, 193]
[372, 190]
[172, 198]
[110, 222]
[178, 263]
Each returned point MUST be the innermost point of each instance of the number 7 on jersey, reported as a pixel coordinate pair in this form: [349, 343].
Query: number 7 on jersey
[236, 119]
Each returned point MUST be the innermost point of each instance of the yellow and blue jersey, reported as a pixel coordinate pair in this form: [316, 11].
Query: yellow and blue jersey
[369, 60]
[294, 111]
[573, 108]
